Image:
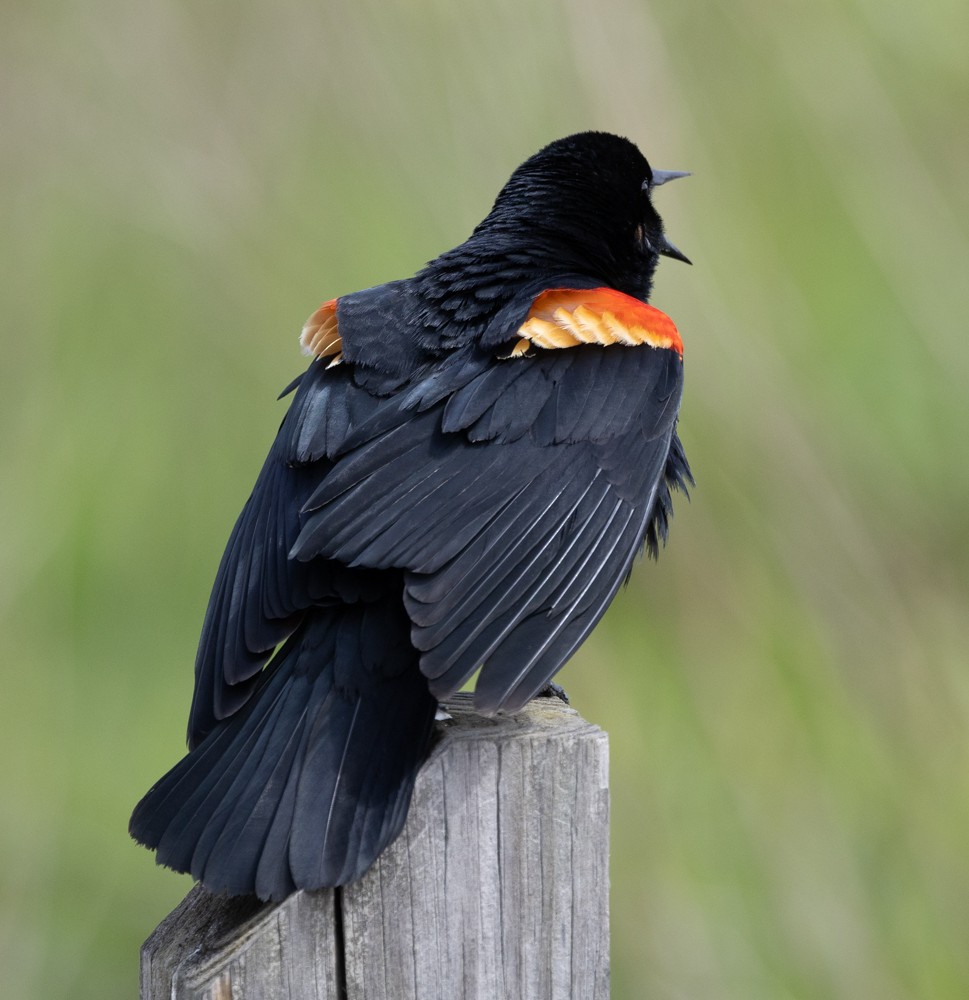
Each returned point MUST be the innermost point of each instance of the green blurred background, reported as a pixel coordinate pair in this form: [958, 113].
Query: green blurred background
[786, 692]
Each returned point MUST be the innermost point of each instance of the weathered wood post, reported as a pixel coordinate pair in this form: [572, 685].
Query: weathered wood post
[497, 888]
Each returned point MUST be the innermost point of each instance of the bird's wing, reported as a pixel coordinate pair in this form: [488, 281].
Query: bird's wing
[514, 491]
[260, 593]
[513, 487]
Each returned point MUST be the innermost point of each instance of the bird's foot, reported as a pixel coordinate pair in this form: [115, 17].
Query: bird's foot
[553, 691]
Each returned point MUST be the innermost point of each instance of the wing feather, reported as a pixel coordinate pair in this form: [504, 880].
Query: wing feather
[510, 490]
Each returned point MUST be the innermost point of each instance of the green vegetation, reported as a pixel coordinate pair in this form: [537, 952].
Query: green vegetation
[786, 692]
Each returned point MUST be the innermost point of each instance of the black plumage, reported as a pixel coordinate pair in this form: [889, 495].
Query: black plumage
[436, 501]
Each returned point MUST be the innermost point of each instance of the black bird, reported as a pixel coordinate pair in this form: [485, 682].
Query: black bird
[465, 475]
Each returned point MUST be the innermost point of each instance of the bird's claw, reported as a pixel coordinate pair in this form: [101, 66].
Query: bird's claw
[554, 691]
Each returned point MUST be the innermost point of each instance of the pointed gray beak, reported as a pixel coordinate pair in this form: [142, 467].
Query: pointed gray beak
[662, 176]
[667, 249]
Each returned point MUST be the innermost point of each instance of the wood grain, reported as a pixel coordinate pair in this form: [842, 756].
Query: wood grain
[498, 887]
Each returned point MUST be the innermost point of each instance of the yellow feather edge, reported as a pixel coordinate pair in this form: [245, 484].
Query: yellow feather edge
[544, 333]
[321, 339]
[581, 326]
[592, 325]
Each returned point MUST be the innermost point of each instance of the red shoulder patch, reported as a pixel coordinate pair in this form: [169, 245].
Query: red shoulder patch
[567, 317]
[321, 336]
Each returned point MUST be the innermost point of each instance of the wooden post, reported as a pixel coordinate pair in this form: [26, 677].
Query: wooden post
[498, 887]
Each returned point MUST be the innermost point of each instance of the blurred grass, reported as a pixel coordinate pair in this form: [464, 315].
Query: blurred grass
[786, 693]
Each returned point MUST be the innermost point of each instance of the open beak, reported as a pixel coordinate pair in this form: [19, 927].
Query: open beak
[663, 245]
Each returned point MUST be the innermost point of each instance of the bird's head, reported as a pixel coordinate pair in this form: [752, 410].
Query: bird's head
[586, 202]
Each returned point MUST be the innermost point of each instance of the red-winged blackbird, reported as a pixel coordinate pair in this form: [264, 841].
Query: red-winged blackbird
[467, 470]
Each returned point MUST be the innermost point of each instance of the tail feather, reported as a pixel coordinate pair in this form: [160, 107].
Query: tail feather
[232, 837]
[312, 778]
[203, 790]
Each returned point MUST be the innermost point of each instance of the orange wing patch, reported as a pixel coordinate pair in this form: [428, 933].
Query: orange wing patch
[567, 317]
[320, 337]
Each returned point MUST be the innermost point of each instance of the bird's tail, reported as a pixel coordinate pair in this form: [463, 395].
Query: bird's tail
[312, 779]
